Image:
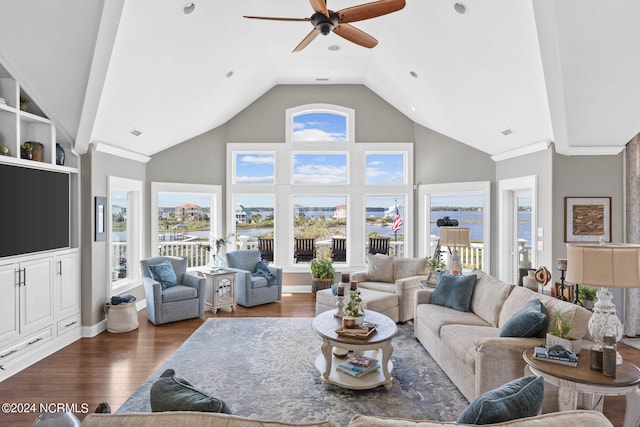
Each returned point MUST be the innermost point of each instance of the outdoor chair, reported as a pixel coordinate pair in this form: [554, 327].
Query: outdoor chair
[305, 250]
[184, 300]
[339, 249]
[265, 246]
[379, 245]
[255, 285]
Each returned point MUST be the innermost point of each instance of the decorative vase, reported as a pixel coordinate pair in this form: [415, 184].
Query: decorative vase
[59, 155]
[217, 262]
[56, 419]
[529, 281]
[350, 322]
[570, 343]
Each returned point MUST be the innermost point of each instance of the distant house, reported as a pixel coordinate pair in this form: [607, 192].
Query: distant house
[187, 211]
[243, 214]
[340, 212]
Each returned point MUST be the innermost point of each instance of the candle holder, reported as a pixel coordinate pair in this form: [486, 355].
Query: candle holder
[340, 306]
[562, 266]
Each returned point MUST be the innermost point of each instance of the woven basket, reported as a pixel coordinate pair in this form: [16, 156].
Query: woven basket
[122, 317]
[319, 284]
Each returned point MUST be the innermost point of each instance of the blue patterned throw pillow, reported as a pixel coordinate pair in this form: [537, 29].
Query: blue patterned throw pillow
[529, 322]
[454, 291]
[164, 274]
[519, 398]
[170, 393]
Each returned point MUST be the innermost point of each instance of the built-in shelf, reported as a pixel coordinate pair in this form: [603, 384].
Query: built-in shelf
[18, 127]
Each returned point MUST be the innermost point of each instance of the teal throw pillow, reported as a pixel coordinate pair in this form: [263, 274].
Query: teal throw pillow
[169, 393]
[164, 274]
[529, 322]
[454, 291]
[519, 398]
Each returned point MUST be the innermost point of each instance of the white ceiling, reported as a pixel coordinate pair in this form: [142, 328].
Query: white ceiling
[564, 71]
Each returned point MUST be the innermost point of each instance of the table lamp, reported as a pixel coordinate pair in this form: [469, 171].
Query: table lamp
[605, 266]
[453, 238]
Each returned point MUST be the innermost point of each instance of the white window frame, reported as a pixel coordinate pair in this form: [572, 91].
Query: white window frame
[424, 214]
[355, 190]
[215, 201]
[507, 244]
[135, 190]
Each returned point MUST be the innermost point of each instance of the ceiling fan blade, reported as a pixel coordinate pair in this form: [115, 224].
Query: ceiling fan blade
[277, 19]
[305, 42]
[355, 35]
[320, 6]
[369, 10]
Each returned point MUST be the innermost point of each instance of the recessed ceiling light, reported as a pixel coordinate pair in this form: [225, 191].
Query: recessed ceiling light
[189, 8]
[136, 132]
[460, 8]
[334, 47]
[413, 74]
[230, 73]
[507, 132]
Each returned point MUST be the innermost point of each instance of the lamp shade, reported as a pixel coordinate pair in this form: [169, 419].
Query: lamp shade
[454, 236]
[609, 265]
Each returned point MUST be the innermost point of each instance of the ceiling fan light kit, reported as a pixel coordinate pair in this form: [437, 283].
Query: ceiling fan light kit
[325, 21]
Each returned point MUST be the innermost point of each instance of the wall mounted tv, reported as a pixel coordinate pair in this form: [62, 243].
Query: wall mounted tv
[34, 212]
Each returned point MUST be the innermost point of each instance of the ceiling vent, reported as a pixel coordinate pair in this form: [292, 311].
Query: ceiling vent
[136, 132]
[507, 132]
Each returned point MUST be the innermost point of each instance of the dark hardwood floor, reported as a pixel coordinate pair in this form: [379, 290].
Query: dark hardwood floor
[110, 367]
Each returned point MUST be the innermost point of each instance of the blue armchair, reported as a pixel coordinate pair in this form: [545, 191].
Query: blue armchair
[252, 290]
[183, 301]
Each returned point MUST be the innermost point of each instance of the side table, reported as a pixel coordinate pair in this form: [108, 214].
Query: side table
[220, 291]
[593, 385]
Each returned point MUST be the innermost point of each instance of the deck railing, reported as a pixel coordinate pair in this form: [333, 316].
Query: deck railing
[197, 255]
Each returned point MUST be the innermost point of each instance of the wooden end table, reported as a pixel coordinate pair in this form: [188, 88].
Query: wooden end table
[377, 345]
[592, 384]
[220, 290]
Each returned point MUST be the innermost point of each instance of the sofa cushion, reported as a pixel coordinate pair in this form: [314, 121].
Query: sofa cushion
[164, 274]
[408, 267]
[378, 286]
[460, 341]
[530, 321]
[380, 268]
[454, 291]
[169, 393]
[580, 417]
[489, 294]
[436, 316]
[519, 398]
[179, 293]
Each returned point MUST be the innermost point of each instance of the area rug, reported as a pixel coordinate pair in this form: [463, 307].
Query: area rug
[631, 342]
[265, 368]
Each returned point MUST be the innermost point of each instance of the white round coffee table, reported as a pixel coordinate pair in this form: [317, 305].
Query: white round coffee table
[377, 345]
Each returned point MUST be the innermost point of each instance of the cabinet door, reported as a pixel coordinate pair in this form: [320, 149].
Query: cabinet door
[9, 317]
[67, 280]
[36, 294]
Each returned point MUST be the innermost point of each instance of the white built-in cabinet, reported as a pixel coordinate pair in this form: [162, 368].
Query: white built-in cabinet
[40, 303]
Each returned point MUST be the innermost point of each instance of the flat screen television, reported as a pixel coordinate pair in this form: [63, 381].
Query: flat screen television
[34, 210]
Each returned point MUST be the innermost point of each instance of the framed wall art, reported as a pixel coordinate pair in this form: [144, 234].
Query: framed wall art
[587, 219]
[101, 220]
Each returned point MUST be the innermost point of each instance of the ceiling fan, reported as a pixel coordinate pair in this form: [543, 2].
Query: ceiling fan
[324, 20]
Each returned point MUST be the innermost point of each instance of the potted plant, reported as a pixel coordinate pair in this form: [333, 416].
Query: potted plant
[26, 151]
[354, 311]
[322, 274]
[559, 335]
[23, 103]
[587, 296]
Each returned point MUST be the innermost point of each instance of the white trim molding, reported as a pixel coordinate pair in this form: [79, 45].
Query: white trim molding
[115, 151]
[532, 148]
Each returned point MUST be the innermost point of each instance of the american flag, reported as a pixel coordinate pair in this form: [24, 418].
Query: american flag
[397, 221]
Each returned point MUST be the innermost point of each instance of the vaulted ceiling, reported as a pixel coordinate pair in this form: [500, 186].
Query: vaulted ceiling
[562, 71]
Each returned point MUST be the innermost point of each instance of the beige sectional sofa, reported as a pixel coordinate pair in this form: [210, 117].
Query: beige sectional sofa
[208, 419]
[467, 345]
[394, 275]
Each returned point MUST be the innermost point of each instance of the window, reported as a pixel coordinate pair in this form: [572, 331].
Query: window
[385, 219]
[469, 204]
[320, 190]
[186, 220]
[125, 197]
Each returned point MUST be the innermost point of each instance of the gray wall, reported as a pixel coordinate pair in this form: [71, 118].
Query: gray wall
[96, 271]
